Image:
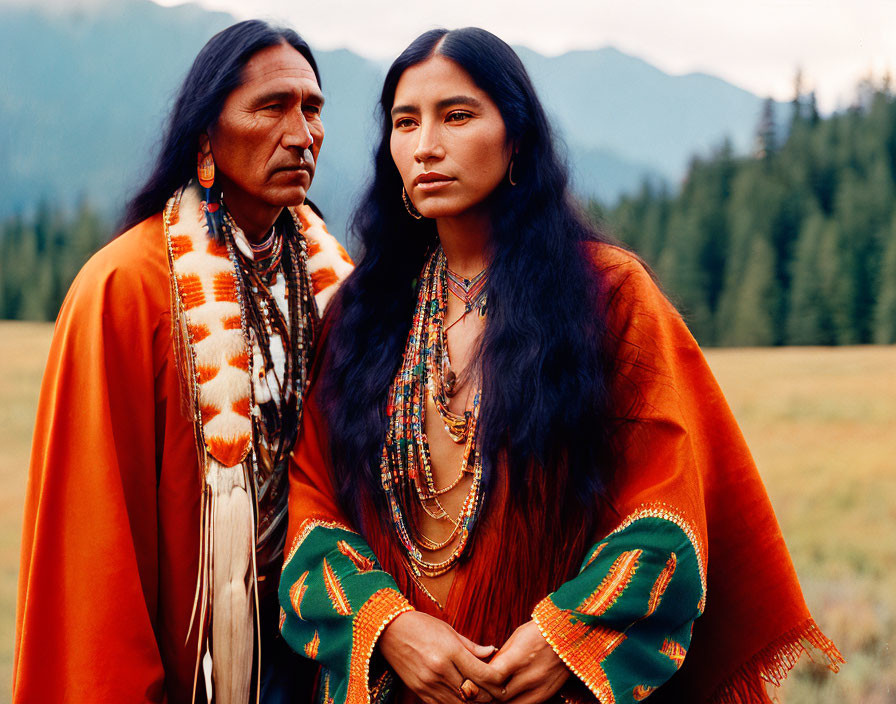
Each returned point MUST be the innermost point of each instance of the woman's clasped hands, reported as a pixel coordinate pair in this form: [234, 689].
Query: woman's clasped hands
[441, 666]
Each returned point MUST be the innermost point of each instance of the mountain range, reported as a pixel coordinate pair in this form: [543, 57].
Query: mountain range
[85, 92]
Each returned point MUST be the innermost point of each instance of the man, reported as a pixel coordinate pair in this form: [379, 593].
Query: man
[156, 504]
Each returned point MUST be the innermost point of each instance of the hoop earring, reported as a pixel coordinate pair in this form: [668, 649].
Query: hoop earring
[409, 206]
[510, 174]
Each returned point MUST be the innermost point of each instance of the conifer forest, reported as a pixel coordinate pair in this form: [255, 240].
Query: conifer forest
[795, 245]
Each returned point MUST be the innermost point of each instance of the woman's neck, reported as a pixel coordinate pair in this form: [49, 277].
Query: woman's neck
[466, 241]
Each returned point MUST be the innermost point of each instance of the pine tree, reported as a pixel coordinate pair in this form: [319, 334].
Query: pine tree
[753, 320]
[796, 104]
[885, 306]
[679, 268]
[767, 131]
[808, 315]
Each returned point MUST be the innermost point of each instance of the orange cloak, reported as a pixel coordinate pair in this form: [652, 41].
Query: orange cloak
[111, 540]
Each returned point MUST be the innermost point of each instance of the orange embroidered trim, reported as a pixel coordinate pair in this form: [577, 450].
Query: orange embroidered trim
[674, 651]
[282, 619]
[642, 691]
[364, 564]
[327, 699]
[297, 593]
[595, 554]
[613, 585]
[580, 646]
[666, 512]
[661, 584]
[308, 525]
[312, 646]
[375, 614]
[335, 591]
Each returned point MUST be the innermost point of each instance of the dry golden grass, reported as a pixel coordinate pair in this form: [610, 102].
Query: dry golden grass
[821, 424]
[23, 351]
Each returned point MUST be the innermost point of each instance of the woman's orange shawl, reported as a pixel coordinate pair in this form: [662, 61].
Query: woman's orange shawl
[683, 463]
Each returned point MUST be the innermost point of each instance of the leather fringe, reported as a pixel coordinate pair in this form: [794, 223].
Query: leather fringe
[773, 663]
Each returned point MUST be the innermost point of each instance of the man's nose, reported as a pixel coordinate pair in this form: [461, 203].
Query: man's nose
[297, 133]
[429, 145]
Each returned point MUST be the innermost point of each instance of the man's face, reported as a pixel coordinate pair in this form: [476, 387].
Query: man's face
[267, 138]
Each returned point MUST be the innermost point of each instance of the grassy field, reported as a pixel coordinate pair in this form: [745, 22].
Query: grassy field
[821, 424]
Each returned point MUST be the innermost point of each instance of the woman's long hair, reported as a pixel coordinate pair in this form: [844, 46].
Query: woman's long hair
[215, 73]
[544, 355]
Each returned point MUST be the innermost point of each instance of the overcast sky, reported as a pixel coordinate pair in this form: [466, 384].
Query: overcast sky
[756, 44]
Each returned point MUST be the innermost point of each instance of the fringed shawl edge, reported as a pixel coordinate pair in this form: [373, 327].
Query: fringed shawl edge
[773, 663]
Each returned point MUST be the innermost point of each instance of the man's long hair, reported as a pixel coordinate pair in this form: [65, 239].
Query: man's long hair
[545, 357]
[215, 73]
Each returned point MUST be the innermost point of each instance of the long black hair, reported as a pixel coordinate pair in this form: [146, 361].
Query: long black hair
[215, 73]
[544, 355]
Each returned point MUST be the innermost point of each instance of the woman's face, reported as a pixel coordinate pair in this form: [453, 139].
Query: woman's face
[448, 139]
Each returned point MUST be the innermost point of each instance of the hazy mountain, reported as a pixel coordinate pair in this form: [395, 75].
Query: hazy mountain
[608, 100]
[85, 92]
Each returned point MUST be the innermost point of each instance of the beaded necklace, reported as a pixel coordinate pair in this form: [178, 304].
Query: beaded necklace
[266, 256]
[470, 292]
[405, 466]
[277, 421]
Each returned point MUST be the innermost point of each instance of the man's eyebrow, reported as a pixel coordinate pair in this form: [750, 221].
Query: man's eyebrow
[276, 96]
[413, 109]
[441, 105]
[284, 95]
[458, 100]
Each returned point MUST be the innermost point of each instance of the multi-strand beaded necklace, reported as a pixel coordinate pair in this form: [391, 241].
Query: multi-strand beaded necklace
[406, 467]
[278, 264]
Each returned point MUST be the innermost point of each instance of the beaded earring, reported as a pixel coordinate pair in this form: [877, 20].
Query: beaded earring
[205, 165]
[409, 206]
[205, 171]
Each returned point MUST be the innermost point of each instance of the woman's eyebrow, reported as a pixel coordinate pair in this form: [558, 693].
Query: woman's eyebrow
[441, 105]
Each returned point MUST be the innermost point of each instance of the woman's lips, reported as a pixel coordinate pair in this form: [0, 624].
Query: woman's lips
[432, 181]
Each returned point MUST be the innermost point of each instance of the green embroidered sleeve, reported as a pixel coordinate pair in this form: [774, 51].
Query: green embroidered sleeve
[623, 624]
[335, 602]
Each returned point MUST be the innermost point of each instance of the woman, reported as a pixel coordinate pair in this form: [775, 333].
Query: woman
[517, 477]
